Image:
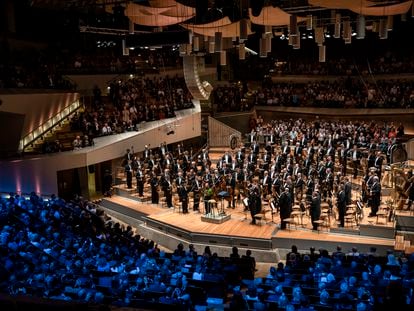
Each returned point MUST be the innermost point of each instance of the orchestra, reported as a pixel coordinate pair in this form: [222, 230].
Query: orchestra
[280, 169]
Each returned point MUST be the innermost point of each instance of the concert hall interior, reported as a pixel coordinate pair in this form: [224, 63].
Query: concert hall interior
[206, 155]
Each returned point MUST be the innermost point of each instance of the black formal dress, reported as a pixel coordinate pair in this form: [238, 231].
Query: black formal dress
[315, 210]
[341, 204]
[285, 205]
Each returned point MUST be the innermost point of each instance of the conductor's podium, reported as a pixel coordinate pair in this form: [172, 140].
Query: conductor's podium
[214, 216]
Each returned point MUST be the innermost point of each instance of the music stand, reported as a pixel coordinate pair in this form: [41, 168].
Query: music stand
[273, 208]
[222, 195]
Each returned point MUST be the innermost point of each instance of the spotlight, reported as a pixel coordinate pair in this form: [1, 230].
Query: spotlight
[170, 132]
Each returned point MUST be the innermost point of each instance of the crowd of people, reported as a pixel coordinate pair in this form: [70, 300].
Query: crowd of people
[341, 93]
[387, 64]
[132, 102]
[291, 162]
[74, 252]
[44, 69]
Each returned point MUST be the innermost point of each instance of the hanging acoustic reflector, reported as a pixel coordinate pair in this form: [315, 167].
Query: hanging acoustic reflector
[293, 25]
[263, 52]
[337, 30]
[242, 51]
[196, 44]
[211, 45]
[218, 41]
[223, 58]
[309, 22]
[347, 32]
[125, 50]
[131, 27]
[322, 53]
[375, 26]
[360, 27]
[383, 32]
[319, 35]
[268, 43]
[390, 22]
[243, 29]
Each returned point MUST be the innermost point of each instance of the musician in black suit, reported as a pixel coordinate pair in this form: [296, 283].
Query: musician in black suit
[154, 189]
[166, 187]
[255, 201]
[355, 156]
[128, 173]
[348, 191]
[378, 163]
[197, 188]
[315, 209]
[285, 205]
[375, 197]
[341, 205]
[343, 154]
[370, 160]
[299, 183]
[310, 187]
[140, 181]
[183, 196]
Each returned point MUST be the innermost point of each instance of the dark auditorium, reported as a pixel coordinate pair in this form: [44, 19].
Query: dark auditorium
[206, 155]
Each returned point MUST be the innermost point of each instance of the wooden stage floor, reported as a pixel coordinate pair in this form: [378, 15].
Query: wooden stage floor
[239, 227]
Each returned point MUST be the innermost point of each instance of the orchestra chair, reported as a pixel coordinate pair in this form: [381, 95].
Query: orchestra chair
[296, 216]
[289, 222]
[321, 223]
[382, 213]
[176, 203]
[350, 217]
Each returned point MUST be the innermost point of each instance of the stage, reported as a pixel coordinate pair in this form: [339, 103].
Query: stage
[159, 221]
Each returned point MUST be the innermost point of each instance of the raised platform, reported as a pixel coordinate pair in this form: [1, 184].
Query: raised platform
[215, 219]
[238, 230]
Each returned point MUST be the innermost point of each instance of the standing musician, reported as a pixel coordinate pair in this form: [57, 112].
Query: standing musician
[378, 163]
[128, 173]
[154, 189]
[285, 205]
[356, 156]
[255, 202]
[341, 205]
[266, 184]
[183, 196]
[197, 188]
[375, 197]
[299, 183]
[315, 209]
[166, 187]
[140, 181]
[310, 187]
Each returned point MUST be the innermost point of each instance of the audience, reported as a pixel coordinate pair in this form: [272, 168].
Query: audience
[73, 251]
